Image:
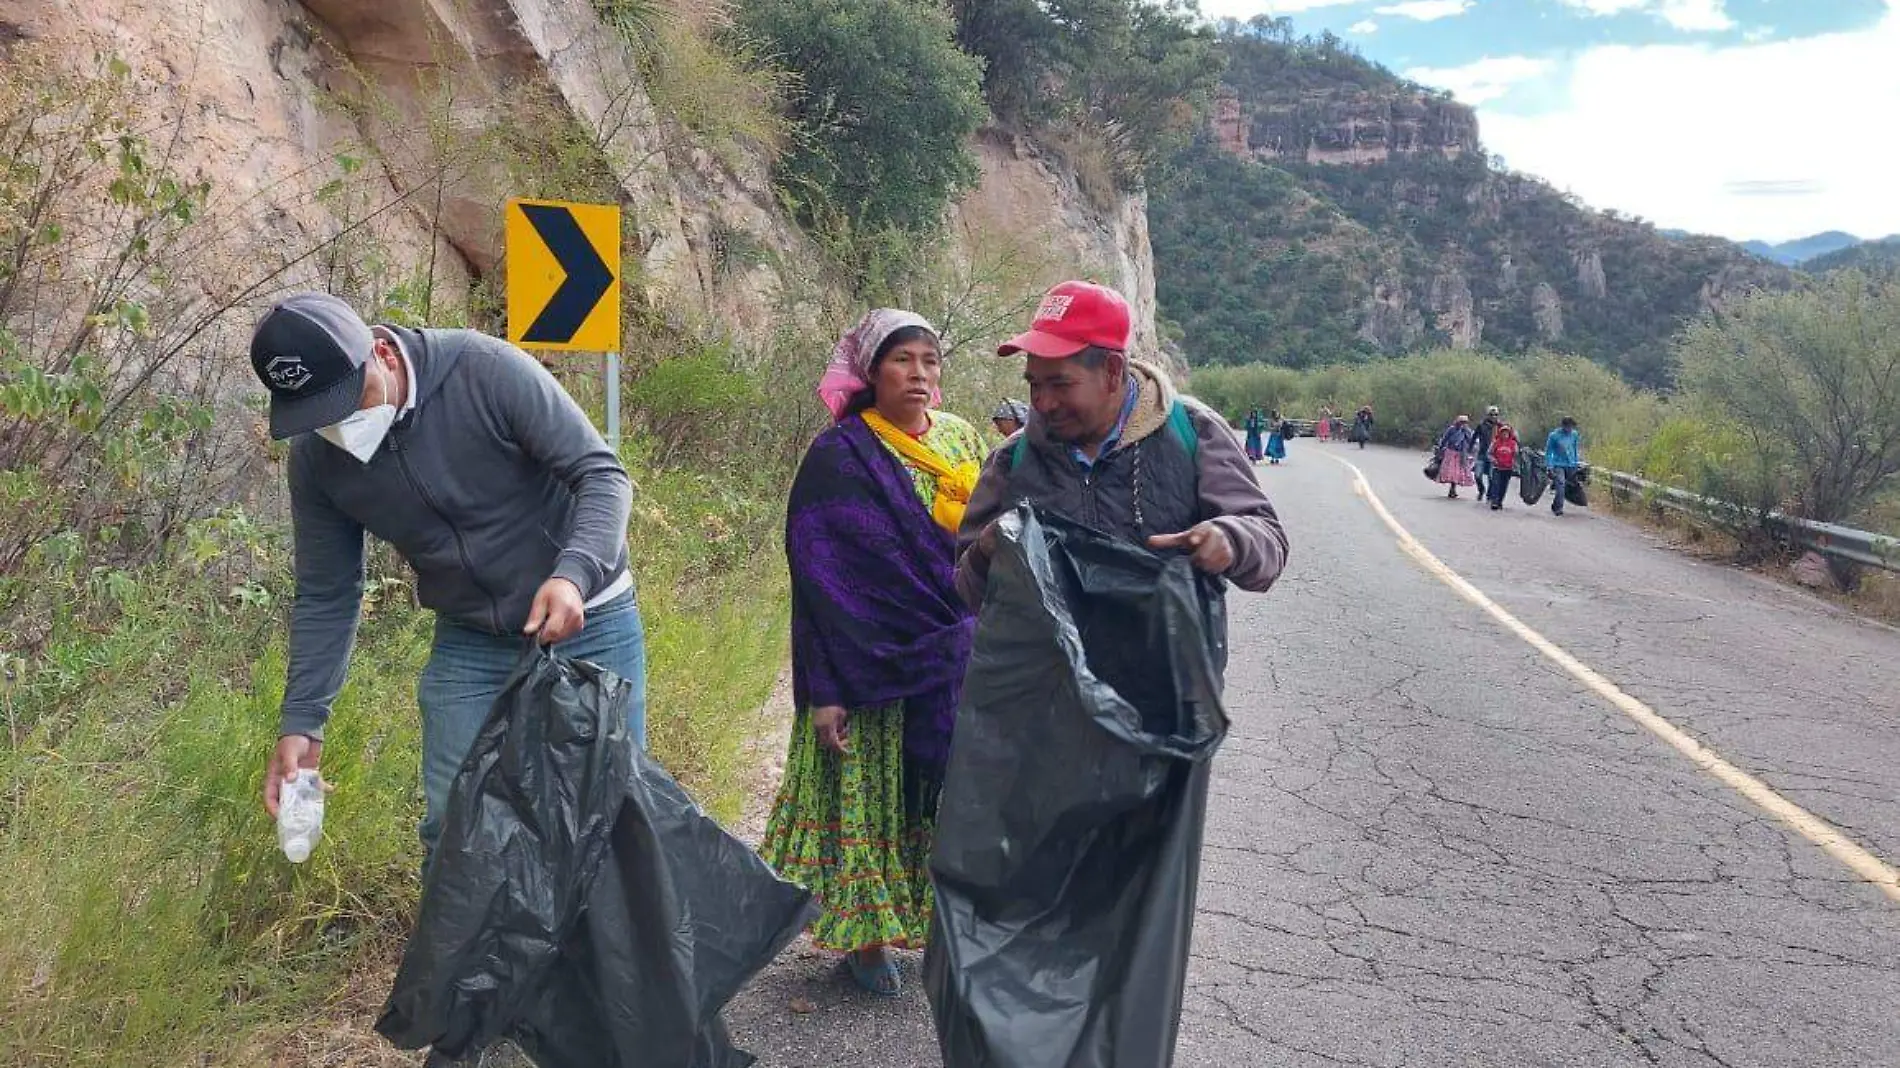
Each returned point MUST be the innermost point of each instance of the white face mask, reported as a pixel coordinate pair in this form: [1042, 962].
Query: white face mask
[363, 432]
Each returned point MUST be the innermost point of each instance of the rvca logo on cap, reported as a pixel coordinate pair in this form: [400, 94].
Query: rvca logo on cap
[287, 372]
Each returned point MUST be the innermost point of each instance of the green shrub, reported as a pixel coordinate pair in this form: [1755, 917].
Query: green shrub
[1415, 397]
[689, 402]
[885, 113]
[149, 917]
[1812, 381]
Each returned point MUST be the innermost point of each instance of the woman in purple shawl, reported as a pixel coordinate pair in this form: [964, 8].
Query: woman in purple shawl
[879, 642]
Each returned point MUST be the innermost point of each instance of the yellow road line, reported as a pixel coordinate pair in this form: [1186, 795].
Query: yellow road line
[1800, 820]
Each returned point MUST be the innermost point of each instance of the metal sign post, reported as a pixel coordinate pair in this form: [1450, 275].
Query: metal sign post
[613, 400]
[563, 266]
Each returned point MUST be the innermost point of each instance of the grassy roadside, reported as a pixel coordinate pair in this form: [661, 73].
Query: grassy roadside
[1877, 598]
[150, 919]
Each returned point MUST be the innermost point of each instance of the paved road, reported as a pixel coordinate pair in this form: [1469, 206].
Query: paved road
[1431, 846]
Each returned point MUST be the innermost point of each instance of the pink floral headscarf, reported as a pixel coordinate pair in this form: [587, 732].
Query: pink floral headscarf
[849, 372]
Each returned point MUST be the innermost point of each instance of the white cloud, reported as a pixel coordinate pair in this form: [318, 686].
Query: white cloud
[1482, 81]
[1609, 7]
[1768, 140]
[1366, 26]
[1426, 10]
[1292, 7]
[1685, 15]
[1693, 15]
[1246, 9]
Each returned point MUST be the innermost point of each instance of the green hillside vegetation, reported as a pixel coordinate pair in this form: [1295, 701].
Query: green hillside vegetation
[1790, 401]
[1280, 261]
[1880, 257]
[144, 561]
[1116, 86]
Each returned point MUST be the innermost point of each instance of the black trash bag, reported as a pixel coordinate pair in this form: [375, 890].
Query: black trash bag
[1575, 494]
[1534, 479]
[579, 903]
[1069, 837]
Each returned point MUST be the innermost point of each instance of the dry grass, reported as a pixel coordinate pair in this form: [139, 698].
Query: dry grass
[341, 1034]
[1878, 597]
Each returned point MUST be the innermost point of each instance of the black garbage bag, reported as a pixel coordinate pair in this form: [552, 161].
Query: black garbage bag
[1575, 493]
[1533, 480]
[1069, 837]
[579, 903]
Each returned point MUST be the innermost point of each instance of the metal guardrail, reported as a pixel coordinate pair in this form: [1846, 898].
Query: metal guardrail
[1828, 539]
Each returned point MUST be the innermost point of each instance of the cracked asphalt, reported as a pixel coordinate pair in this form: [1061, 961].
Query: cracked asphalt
[1430, 846]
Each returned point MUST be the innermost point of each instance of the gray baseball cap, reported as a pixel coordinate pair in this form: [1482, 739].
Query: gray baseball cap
[1011, 409]
[312, 351]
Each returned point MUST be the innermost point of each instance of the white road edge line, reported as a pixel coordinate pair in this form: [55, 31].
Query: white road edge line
[1804, 823]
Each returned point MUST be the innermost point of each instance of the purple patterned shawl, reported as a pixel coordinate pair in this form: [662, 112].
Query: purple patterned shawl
[875, 614]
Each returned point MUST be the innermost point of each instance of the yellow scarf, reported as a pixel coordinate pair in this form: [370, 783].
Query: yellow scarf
[955, 483]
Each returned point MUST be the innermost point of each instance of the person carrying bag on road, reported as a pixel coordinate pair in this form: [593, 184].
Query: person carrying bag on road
[1563, 456]
[1452, 456]
[1115, 520]
[1481, 454]
[1362, 424]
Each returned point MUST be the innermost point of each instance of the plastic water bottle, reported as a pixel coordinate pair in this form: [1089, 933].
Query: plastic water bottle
[300, 815]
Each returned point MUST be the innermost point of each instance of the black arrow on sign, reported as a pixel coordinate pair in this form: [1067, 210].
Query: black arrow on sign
[587, 275]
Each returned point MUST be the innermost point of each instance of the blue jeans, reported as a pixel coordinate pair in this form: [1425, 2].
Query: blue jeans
[1557, 476]
[467, 670]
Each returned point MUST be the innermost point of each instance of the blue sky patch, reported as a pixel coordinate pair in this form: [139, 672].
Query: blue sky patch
[1745, 118]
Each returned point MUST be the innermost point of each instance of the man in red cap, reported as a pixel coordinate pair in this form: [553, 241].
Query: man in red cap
[1111, 444]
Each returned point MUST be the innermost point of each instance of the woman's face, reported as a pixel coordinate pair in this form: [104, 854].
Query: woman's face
[906, 378]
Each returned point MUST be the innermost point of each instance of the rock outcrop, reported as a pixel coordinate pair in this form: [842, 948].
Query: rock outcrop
[1029, 220]
[1419, 239]
[265, 95]
[1333, 127]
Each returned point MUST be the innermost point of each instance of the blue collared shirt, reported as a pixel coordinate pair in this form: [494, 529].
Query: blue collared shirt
[1114, 436]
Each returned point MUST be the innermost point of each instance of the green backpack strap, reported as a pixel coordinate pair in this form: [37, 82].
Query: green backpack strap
[1179, 422]
[1183, 427]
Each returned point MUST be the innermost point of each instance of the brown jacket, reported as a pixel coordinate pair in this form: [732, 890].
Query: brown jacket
[1228, 488]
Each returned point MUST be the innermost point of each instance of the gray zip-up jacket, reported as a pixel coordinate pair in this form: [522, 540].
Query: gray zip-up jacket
[495, 482]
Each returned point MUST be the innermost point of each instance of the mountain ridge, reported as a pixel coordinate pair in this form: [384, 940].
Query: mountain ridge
[1336, 212]
[1801, 249]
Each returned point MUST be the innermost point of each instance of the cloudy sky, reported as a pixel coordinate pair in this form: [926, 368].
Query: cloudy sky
[1769, 119]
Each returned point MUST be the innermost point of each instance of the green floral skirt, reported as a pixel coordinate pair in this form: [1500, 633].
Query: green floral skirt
[840, 829]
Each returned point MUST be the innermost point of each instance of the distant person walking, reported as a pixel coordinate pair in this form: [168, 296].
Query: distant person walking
[1362, 424]
[1279, 430]
[1503, 463]
[1454, 455]
[1563, 454]
[1256, 435]
[1485, 429]
[880, 637]
[1323, 426]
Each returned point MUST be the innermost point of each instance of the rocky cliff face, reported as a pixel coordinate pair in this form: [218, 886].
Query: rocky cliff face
[1030, 215]
[1335, 211]
[1341, 127]
[266, 94]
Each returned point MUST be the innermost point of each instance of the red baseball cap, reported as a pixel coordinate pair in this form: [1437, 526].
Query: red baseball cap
[1071, 317]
